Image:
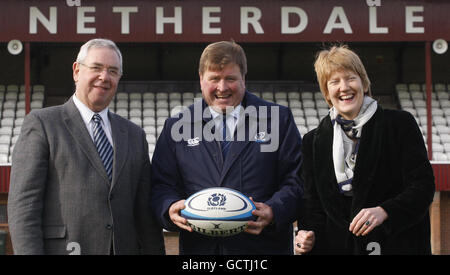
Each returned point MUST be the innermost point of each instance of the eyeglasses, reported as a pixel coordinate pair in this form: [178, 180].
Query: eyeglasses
[112, 71]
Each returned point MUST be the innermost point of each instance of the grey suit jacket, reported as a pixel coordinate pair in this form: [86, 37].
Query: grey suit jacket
[60, 199]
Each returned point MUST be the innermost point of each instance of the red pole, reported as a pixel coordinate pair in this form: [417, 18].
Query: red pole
[27, 78]
[428, 91]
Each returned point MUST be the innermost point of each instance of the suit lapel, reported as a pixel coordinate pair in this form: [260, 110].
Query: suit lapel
[76, 127]
[120, 139]
[213, 150]
[325, 177]
[210, 143]
[368, 158]
[233, 154]
[236, 147]
[247, 119]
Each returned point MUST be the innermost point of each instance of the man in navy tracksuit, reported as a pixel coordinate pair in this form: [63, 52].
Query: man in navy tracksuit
[257, 153]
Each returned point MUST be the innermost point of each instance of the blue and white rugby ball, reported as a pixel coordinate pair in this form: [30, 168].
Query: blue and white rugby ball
[218, 211]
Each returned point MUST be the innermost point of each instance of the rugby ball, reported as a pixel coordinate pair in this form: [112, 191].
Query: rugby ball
[218, 212]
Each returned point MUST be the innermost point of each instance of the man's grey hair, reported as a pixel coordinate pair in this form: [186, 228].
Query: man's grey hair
[98, 43]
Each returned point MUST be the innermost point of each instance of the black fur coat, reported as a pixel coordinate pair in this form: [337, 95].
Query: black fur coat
[392, 171]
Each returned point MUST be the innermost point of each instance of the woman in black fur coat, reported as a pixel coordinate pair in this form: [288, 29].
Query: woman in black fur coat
[368, 181]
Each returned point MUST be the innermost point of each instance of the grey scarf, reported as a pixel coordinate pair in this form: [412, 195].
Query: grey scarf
[344, 160]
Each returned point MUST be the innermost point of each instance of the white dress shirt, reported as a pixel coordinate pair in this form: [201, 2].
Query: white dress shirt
[232, 118]
[87, 115]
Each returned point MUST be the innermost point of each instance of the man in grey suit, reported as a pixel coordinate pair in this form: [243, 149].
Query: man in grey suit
[80, 178]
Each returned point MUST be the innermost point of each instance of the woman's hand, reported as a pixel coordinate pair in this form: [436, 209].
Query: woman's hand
[304, 241]
[366, 220]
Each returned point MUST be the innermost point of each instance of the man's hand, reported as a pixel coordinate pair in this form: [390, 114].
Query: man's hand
[174, 214]
[265, 217]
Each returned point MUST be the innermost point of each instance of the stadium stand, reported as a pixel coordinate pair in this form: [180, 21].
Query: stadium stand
[150, 109]
[12, 109]
[412, 98]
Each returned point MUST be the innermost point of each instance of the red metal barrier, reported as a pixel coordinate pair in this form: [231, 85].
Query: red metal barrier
[441, 174]
[5, 171]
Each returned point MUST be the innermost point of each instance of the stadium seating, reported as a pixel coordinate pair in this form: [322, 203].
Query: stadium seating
[308, 108]
[12, 111]
[412, 98]
[149, 110]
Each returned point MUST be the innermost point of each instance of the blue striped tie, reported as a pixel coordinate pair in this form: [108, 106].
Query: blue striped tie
[225, 144]
[104, 148]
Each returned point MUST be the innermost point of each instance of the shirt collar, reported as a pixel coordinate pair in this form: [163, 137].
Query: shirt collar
[87, 113]
[235, 113]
